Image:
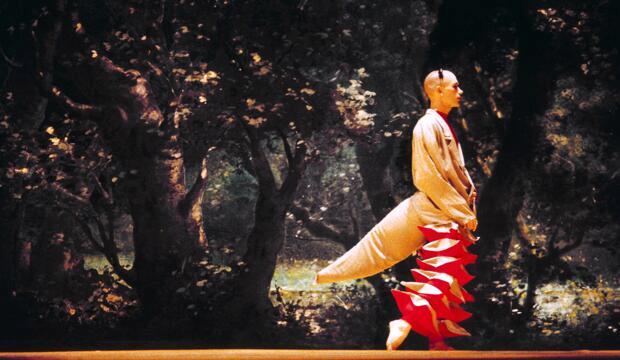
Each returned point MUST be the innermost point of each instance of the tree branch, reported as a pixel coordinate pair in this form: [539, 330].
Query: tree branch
[262, 168]
[94, 56]
[195, 192]
[85, 228]
[106, 196]
[578, 240]
[287, 147]
[9, 61]
[295, 171]
[110, 251]
[149, 44]
[63, 100]
[522, 233]
[354, 222]
[59, 190]
[320, 229]
[108, 248]
[110, 215]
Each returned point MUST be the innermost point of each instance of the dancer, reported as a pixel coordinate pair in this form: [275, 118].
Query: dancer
[441, 213]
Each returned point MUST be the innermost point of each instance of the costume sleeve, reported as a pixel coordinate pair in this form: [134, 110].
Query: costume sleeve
[473, 189]
[426, 161]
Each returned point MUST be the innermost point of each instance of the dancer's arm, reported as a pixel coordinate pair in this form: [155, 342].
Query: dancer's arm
[427, 159]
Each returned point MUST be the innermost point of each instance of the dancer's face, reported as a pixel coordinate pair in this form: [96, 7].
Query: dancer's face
[449, 91]
[443, 90]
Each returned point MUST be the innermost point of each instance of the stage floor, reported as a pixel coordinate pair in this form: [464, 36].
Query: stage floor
[252, 354]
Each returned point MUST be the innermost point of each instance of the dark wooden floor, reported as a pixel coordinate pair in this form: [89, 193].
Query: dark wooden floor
[310, 354]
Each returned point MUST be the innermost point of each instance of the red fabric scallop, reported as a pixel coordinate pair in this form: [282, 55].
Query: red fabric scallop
[458, 314]
[447, 264]
[467, 296]
[431, 303]
[434, 295]
[448, 329]
[447, 247]
[418, 312]
[445, 282]
[440, 231]
[469, 259]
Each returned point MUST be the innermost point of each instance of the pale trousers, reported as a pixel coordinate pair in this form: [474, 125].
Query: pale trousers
[392, 240]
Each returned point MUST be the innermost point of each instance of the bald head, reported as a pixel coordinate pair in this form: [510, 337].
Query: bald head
[433, 80]
[442, 88]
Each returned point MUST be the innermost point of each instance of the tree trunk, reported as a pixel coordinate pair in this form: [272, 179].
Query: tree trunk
[166, 231]
[264, 243]
[533, 278]
[373, 165]
[9, 227]
[502, 197]
[29, 115]
[267, 236]
[160, 235]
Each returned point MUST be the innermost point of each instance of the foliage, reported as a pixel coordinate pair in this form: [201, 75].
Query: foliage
[246, 83]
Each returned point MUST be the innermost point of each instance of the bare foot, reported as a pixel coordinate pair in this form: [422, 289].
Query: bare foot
[315, 281]
[399, 329]
[439, 345]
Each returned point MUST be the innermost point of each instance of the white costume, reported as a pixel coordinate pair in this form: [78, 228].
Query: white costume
[443, 201]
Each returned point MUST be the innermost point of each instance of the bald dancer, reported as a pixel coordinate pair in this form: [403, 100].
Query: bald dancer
[446, 199]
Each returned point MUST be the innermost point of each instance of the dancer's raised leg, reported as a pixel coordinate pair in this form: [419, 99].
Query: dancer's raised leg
[393, 239]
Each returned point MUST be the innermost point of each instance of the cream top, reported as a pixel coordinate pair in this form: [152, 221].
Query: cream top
[438, 168]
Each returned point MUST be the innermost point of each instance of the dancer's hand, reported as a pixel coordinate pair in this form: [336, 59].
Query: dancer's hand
[472, 224]
[467, 234]
[473, 197]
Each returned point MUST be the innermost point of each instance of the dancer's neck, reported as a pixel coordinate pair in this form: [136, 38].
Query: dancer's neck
[441, 111]
[443, 115]
[445, 118]
[440, 107]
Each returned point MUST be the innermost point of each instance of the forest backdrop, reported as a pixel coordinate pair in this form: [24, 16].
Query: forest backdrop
[173, 172]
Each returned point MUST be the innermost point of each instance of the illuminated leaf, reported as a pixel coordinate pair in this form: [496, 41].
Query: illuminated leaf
[113, 298]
